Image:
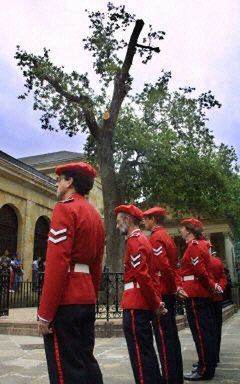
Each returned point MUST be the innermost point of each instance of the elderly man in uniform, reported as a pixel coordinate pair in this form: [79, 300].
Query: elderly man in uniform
[200, 286]
[139, 300]
[72, 277]
[165, 328]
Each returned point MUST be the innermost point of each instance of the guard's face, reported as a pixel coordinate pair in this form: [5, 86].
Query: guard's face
[184, 232]
[148, 223]
[122, 224]
[62, 186]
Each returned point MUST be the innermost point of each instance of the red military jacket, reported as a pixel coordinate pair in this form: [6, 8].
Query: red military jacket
[165, 259]
[196, 279]
[139, 269]
[76, 236]
[217, 269]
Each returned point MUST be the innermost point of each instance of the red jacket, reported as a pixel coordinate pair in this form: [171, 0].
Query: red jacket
[139, 269]
[76, 237]
[197, 281]
[217, 269]
[165, 259]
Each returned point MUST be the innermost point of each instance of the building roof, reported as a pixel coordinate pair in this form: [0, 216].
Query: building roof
[54, 157]
[4, 156]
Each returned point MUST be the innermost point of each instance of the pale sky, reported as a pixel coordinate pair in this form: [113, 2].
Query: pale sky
[201, 49]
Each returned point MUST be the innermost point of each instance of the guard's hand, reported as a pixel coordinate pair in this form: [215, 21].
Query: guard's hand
[181, 294]
[161, 310]
[218, 289]
[44, 327]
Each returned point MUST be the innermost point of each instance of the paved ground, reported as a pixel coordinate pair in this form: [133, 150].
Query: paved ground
[22, 359]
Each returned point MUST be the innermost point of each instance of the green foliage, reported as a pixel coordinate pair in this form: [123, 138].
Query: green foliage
[48, 84]
[166, 155]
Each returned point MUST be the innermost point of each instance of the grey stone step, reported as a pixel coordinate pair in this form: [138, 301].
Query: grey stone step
[103, 328]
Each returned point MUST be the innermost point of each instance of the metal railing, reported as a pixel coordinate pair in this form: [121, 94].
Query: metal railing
[4, 293]
[108, 306]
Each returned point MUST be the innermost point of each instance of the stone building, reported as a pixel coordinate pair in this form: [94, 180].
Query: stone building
[47, 163]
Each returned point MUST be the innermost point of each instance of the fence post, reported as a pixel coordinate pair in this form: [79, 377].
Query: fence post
[107, 295]
[4, 293]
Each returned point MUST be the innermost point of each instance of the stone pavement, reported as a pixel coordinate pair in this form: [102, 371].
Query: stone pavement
[22, 359]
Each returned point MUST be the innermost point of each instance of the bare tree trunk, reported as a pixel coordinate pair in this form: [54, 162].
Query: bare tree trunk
[111, 198]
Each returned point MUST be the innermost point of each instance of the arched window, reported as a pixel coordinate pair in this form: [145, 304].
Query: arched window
[8, 229]
[40, 237]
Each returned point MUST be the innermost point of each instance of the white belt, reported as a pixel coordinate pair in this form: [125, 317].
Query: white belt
[188, 278]
[79, 268]
[158, 273]
[131, 285]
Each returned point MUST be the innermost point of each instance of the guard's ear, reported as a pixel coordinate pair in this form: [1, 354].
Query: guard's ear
[70, 181]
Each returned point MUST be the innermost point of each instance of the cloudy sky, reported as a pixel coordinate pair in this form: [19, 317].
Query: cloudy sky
[201, 48]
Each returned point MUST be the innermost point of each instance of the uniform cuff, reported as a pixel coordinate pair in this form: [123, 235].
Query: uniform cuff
[41, 318]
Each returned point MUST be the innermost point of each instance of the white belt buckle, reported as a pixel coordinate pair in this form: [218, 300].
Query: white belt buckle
[84, 268]
[131, 286]
[188, 278]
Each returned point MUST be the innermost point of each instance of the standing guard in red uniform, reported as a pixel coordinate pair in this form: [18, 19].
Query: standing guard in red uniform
[200, 286]
[217, 269]
[165, 328]
[139, 300]
[73, 271]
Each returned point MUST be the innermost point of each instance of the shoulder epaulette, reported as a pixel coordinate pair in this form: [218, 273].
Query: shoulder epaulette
[67, 200]
[194, 241]
[135, 234]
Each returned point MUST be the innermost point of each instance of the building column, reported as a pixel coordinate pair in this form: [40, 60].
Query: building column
[230, 256]
[28, 239]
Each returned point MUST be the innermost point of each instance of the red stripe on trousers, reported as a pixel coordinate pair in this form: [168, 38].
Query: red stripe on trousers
[163, 349]
[57, 355]
[200, 337]
[137, 348]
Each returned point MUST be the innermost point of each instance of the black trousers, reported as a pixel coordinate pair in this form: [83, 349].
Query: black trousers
[138, 333]
[168, 343]
[217, 309]
[202, 324]
[69, 350]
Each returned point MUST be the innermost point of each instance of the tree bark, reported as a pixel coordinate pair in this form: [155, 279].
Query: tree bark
[111, 198]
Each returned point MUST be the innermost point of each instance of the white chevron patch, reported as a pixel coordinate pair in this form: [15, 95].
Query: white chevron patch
[195, 260]
[135, 260]
[56, 233]
[158, 251]
[58, 240]
[135, 264]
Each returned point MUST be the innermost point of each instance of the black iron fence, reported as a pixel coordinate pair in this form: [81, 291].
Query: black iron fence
[108, 304]
[4, 294]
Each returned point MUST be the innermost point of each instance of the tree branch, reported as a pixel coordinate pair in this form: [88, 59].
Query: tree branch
[156, 49]
[120, 86]
[84, 102]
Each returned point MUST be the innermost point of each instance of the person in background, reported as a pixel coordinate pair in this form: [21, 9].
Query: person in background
[18, 273]
[35, 271]
[11, 276]
[5, 261]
